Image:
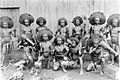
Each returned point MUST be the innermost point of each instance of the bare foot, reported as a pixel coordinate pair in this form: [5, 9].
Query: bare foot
[95, 70]
[1, 65]
[112, 63]
[3, 68]
[64, 70]
[74, 65]
[32, 71]
[36, 74]
[101, 73]
[81, 72]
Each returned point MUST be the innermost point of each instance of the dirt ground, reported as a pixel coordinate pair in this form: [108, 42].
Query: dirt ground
[72, 73]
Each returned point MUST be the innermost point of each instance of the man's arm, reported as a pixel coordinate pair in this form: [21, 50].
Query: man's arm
[57, 31]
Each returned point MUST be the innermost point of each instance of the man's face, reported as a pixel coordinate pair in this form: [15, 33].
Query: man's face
[41, 23]
[62, 23]
[45, 37]
[97, 20]
[73, 43]
[59, 40]
[95, 44]
[26, 21]
[115, 22]
[77, 22]
[5, 24]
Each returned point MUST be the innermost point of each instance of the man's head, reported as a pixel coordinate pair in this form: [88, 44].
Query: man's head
[96, 42]
[41, 21]
[77, 21]
[5, 24]
[62, 22]
[59, 40]
[45, 37]
[97, 20]
[115, 22]
[26, 22]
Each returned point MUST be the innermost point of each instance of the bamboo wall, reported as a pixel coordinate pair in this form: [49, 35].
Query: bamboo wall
[54, 9]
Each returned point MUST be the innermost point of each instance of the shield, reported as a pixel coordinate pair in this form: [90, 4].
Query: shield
[44, 31]
[26, 16]
[97, 15]
[112, 17]
[8, 20]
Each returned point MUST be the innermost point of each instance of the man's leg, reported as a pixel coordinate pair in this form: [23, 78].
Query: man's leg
[64, 65]
[28, 54]
[108, 47]
[3, 54]
[81, 65]
[100, 69]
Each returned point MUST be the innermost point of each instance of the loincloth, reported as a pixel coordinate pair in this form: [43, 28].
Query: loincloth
[6, 39]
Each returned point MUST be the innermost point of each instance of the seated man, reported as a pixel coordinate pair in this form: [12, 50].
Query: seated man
[60, 53]
[97, 44]
[75, 54]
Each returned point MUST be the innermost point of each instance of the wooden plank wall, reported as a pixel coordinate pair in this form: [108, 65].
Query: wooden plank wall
[54, 9]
